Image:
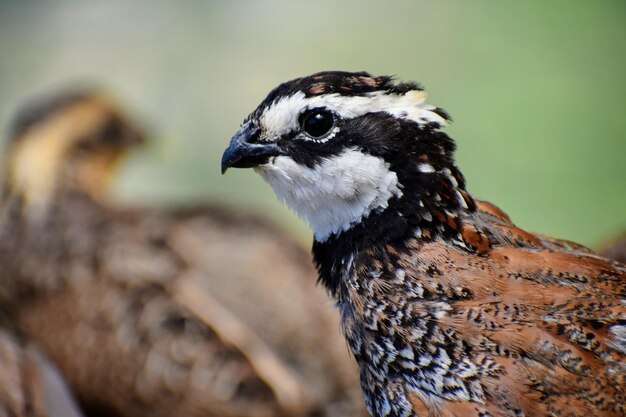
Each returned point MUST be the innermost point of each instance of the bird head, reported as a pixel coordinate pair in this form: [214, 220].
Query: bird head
[69, 140]
[343, 148]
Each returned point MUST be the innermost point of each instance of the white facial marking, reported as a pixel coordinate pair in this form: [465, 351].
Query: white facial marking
[336, 193]
[282, 117]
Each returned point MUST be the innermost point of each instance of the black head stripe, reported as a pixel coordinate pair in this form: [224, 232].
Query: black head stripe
[335, 82]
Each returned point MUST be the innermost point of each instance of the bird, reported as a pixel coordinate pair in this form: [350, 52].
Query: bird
[448, 307]
[150, 311]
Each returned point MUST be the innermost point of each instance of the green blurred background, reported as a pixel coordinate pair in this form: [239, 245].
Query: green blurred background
[536, 89]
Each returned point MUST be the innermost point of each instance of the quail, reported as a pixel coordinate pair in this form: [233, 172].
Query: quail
[448, 307]
[152, 312]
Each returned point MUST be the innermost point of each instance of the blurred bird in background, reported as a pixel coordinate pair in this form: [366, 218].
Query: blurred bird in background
[155, 312]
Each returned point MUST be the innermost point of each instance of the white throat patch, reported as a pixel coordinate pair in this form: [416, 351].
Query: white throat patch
[336, 193]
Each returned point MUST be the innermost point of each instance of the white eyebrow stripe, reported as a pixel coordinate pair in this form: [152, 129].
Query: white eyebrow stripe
[282, 116]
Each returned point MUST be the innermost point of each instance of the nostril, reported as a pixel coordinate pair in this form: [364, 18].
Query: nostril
[254, 136]
[251, 133]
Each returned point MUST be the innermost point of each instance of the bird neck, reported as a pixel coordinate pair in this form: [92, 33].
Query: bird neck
[428, 208]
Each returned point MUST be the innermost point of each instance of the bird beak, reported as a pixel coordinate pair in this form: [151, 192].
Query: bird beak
[244, 152]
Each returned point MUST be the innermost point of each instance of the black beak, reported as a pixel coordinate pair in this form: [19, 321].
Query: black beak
[244, 152]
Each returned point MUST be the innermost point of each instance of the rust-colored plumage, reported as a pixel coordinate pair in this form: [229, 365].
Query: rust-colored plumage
[519, 325]
[152, 312]
[449, 308]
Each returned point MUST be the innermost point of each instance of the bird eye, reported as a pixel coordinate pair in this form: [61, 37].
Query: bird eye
[317, 122]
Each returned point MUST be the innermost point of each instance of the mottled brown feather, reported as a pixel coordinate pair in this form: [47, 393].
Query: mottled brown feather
[544, 304]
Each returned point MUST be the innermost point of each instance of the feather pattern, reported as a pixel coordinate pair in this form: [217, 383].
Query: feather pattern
[526, 328]
[449, 308]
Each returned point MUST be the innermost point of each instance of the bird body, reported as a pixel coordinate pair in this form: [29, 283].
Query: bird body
[449, 308]
[117, 316]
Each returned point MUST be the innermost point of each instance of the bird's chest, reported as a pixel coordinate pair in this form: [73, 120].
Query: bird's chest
[394, 335]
